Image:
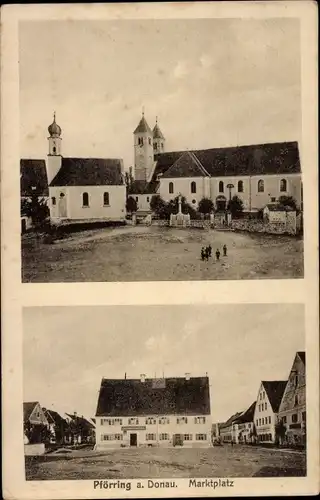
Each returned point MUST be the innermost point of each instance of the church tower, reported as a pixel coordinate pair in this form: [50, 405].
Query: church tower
[143, 150]
[158, 139]
[54, 155]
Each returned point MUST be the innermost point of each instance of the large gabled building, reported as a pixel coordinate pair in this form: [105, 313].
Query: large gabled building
[267, 409]
[163, 412]
[292, 410]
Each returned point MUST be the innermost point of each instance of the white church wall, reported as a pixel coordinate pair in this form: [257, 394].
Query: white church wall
[96, 208]
[183, 185]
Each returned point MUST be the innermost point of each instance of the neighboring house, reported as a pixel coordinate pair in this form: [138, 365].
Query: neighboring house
[58, 426]
[81, 430]
[292, 410]
[257, 174]
[83, 189]
[267, 408]
[228, 429]
[34, 422]
[162, 412]
[244, 426]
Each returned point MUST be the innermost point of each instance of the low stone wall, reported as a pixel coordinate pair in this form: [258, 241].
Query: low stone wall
[34, 449]
[256, 226]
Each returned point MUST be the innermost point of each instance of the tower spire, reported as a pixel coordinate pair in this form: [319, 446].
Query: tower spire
[142, 110]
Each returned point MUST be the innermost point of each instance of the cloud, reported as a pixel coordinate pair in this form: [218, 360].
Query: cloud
[181, 70]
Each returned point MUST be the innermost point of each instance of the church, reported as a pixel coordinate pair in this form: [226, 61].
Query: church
[160, 412]
[258, 174]
[79, 189]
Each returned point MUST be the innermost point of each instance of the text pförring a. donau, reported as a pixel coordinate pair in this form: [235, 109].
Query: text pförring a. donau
[166, 484]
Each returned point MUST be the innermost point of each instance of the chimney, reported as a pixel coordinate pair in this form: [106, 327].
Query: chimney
[187, 376]
[143, 377]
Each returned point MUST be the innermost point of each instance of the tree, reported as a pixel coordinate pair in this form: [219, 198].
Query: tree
[235, 206]
[157, 203]
[206, 206]
[36, 208]
[131, 205]
[128, 177]
[288, 202]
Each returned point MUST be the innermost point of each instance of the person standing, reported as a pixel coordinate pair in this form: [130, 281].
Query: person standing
[209, 250]
[218, 254]
[224, 250]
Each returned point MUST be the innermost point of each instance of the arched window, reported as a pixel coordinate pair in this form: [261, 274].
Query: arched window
[171, 187]
[221, 187]
[155, 146]
[140, 141]
[85, 199]
[283, 185]
[260, 186]
[106, 199]
[149, 138]
[53, 200]
[193, 187]
[240, 187]
[54, 149]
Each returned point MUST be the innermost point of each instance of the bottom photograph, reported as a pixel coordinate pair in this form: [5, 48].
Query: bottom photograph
[174, 391]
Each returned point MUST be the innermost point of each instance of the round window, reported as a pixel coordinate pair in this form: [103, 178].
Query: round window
[194, 201]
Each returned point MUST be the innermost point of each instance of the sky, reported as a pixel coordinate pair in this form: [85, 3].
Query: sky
[68, 350]
[211, 82]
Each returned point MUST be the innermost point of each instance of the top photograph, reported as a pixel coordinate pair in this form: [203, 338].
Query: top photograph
[160, 150]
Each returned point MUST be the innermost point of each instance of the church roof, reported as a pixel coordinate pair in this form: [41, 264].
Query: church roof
[157, 134]
[187, 165]
[258, 159]
[143, 127]
[89, 172]
[33, 177]
[275, 390]
[132, 397]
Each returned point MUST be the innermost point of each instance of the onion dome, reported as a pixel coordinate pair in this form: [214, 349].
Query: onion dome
[54, 129]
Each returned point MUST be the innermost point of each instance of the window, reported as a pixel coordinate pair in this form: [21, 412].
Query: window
[54, 150]
[240, 187]
[137, 198]
[111, 437]
[133, 421]
[187, 437]
[150, 421]
[265, 406]
[296, 401]
[170, 187]
[194, 202]
[61, 195]
[164, 420]
[262, 420]
[201, 437]
[85, 200]
[273, 199]
[140, 141]
[261, 186]
[163, 437]
[193, 187]
[53, 200]
[283, 185]
[257, 422]
[162, 145]
[106, 199]
[149, 141]
[199, 420]
[295, 380]
[151, 437]
[294, 418]
[221, 187]
[155, 146]
[148, 199]
[118, 437]
[304, 416]
[284, 420]
[182, 420]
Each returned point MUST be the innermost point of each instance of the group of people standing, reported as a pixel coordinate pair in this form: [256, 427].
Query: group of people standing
[206, 252]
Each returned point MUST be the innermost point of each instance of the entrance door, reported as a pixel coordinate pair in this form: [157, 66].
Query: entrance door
[221, 203]
[133, 439]
[177, 440]
[62, 205]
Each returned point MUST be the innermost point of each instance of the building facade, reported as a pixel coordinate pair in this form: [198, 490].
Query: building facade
[267, 408]
[257, 174]
[292, 410]
[144, 412]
